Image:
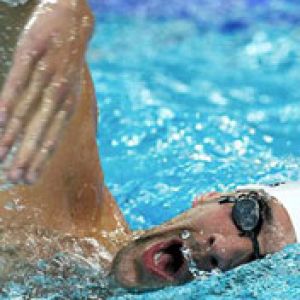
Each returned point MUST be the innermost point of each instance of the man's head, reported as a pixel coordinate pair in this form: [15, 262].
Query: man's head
[210, 236]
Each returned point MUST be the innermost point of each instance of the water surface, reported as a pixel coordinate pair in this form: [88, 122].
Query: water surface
[194, 96]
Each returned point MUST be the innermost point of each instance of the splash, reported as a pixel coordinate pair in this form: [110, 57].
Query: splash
[52, 266]
[193, 268]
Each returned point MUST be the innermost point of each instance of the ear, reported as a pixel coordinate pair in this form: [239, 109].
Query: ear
[199, 199]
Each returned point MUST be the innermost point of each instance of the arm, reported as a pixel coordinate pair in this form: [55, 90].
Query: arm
[43, 85]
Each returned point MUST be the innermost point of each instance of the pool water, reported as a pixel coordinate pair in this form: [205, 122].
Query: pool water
[186, 110]
[194, 96]
[197, 97]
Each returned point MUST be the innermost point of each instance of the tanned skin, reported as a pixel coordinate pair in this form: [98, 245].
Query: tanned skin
[70, 195]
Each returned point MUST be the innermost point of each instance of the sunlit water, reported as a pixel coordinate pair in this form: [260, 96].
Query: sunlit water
[194, 97]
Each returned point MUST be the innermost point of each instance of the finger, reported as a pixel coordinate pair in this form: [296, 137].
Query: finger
[34, 132]
[9, 137]
[20, 115]
[50, 142]
[48, 146]
[205, 197]
[40, 78]
[17, 80]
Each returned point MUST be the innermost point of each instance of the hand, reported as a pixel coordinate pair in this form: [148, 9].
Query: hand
[43, 84]
[205, 197]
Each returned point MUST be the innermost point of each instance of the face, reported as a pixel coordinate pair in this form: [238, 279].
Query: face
[207, 233]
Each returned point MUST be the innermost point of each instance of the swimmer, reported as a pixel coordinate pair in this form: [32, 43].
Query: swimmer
[221, 230]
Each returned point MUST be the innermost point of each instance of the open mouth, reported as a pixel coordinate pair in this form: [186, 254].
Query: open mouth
[165, 259]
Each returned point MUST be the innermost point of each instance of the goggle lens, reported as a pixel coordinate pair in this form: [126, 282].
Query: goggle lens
[246, 215]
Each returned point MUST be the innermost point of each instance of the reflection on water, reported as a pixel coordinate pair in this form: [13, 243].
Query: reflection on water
[187, 108]
[190, 108]
[190, 111]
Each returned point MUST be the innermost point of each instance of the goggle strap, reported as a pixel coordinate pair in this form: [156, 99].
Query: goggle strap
[255, 246]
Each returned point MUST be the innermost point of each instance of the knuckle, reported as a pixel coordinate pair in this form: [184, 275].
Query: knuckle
[88, 21]
[37, 45]
[26, 56]
[60, 89]
[44, 73]
[64, 86]
[30, 51]
[69, 108]
[49, 147]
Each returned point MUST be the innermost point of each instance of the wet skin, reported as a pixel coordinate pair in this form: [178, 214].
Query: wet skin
[70, 196]
[42, 87]
[155, 260]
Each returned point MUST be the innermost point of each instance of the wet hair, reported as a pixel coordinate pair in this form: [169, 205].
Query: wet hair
[266, 208]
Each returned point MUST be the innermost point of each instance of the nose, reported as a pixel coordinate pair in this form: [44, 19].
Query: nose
[223, 252]
[218, 252]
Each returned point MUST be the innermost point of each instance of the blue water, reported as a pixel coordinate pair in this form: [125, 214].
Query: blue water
[198, 96]
[195, 95]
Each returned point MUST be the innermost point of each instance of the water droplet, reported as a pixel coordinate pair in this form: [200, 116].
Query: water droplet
[185, 234]
[193, 268]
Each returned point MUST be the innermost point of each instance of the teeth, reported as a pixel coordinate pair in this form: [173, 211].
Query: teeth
[156, 258]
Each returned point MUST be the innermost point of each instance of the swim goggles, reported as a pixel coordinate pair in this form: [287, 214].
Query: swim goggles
[248, 214]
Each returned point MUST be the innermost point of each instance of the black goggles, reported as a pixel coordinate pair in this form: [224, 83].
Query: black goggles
[248, 214]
